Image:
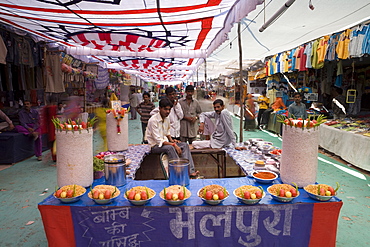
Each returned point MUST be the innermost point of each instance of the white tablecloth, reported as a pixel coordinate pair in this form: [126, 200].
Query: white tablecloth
[353, 148]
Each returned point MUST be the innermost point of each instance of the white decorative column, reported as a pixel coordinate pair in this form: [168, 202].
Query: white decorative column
[75, 157]
[299, 156]
[117, 138]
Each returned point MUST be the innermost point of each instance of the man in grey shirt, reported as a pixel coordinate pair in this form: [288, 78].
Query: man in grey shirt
[191, 109]
[223, 134]
[297, 109]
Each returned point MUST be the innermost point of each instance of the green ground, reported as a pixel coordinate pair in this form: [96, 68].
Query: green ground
[22, 186]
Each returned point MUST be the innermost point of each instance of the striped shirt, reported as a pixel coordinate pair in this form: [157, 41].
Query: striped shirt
[145, 110]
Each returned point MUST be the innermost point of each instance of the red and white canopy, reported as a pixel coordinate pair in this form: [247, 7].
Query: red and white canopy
[143, 34]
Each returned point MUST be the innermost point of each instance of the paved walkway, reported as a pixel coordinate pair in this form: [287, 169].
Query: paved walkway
[25, 184]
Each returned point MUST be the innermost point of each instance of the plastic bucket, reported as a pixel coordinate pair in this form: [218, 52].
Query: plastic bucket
[115, 170]
[179, 172]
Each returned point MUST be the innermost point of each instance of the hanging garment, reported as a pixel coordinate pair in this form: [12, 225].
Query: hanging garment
[308, 52]
[356, 40]
[3, 51]
[343, 44]
[332, 44]
[54, 82]
[366, 42]
[321, 49]
[303, 59]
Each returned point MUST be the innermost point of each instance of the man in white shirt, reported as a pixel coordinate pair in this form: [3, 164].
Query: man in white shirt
[159, 136]
[176, 113]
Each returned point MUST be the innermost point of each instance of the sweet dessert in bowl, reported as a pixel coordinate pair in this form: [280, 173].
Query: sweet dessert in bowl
[249, 194]
[213, 194]
[69, 193]
[283, 192]
[104, 194]
[321, 192]
[175, 194]
[139, 195]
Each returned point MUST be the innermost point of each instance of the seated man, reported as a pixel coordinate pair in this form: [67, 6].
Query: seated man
[30, 125]
[223, 134]
[159, 136]
[297, 109]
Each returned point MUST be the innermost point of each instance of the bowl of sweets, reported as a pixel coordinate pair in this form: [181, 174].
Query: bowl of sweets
[175, 194]
[213, 194]
[283, 192]
[249, 194]
[139, 195]
[69, 193]
[321, 192]
[104, 194]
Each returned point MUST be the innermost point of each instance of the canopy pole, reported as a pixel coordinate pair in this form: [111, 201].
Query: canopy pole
[205, 73]
[241, 83]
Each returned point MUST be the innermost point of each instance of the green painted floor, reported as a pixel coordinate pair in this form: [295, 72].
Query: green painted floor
[23, 186]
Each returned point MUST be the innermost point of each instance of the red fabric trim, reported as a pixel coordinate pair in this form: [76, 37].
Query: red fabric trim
[111, 24]
[324, 224]
[211, 3]
[206, 27]
[58, 225]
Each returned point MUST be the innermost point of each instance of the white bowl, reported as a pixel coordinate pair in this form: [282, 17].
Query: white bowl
[249, 201]
[318, 197]
[212, 202]
[281, 198]
[175, 202]
[140, 202]
[70, 199]
[104, 201]
[264, 181]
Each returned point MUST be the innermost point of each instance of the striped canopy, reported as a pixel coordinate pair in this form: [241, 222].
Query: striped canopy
[136, 34]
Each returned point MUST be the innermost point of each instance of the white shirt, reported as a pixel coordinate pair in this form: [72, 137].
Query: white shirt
[175, 116]
[157, 130]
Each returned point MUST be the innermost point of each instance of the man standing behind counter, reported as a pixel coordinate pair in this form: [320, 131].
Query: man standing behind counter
[297, 109]
[159, 136]
[191, 110]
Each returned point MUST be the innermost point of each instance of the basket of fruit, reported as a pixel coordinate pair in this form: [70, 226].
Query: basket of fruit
[139, 195]
[69, 193]
[249, 194]
[104, 194]
[283, 192]
[321, 192]
[175, 194]
[213, 194]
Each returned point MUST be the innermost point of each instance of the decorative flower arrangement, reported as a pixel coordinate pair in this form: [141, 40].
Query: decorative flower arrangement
[72, 125]
[118, 115]
[301, 123]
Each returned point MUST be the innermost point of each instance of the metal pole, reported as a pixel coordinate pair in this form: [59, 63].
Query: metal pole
[241, 83]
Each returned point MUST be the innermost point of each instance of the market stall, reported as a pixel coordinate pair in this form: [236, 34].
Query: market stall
[353, 148]
[303, 222]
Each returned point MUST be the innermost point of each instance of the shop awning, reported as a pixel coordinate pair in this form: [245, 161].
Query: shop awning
[136, 35]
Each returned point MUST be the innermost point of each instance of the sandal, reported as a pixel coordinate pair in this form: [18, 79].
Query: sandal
[194, 175]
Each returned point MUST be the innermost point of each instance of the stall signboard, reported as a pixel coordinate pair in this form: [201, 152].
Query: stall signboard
[158, 226]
